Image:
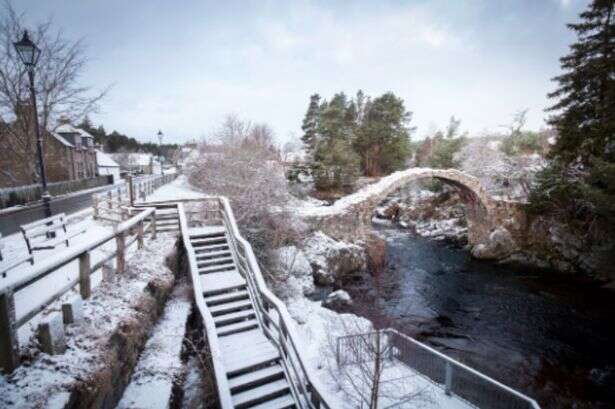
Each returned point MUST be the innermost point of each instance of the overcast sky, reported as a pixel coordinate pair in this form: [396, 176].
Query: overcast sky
[182, 65]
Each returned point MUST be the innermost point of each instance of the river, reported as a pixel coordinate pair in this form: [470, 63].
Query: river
[549, 335]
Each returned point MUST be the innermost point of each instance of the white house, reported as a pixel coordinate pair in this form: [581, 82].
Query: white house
[107, 166]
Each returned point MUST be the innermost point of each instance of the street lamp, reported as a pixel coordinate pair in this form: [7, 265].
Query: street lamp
[29, 53]
[160, 135]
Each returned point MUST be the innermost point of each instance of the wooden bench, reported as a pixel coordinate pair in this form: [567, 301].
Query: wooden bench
[9, 264]
[52, 229]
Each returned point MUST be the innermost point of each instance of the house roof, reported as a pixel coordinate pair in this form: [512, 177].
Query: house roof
[68, 128]
[84, 133]
[136, 159]
[61, 139]
[105, 160]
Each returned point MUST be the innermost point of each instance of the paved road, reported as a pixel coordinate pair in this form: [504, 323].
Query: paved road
[10, 221]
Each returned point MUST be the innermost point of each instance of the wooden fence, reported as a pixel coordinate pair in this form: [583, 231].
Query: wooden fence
[124, 234]
[113, 204]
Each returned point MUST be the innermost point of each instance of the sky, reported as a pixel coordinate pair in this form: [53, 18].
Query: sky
[181, 66]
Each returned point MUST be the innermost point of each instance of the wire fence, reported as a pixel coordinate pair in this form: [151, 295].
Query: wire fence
[452, 376]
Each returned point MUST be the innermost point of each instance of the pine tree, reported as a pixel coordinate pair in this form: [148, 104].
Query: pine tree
[585, 109]
[311, 124]
[578, 186]
[383, 138]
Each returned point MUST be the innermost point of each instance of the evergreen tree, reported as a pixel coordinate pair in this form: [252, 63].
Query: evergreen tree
[446, 145]
[585, 108]
[311, 124]
[383, 138]
[579, 184]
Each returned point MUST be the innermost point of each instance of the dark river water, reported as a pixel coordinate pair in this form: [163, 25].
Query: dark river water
[548, 335]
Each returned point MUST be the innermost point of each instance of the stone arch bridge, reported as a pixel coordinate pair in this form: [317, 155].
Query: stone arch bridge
[347, 218]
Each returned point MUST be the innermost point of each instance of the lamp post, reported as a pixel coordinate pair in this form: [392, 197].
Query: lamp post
[160, 135]
[29, 53]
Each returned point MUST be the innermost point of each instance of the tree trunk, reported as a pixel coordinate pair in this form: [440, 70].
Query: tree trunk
[373, 404]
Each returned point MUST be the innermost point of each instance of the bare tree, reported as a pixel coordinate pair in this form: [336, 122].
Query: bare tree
[58, 89]
[246, 169]
[367, 370]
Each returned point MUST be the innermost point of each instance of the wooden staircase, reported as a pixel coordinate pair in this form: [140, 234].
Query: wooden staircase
[252, 363]
[167, 220]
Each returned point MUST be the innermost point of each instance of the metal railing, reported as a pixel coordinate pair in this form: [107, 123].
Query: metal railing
[10, 323]
[455, 378]
[271, 313]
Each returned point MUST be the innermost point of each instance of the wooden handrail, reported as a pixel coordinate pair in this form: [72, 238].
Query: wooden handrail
[284, 317]
[9, 323]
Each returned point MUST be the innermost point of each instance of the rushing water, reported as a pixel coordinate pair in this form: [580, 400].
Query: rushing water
[548, 335]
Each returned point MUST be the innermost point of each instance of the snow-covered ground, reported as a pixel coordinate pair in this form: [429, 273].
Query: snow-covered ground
[318, 328]
[160, 364]
[15, 248]
[46, 379]
[178, 189]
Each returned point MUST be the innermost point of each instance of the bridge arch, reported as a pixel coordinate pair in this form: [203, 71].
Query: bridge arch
[343, 214]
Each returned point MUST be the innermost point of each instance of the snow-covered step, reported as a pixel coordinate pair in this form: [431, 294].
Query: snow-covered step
[256, 378]
[239, 360]
[224, 268]
[222, 309]
[209, 240]
[167, 216]
[242, 326]
[218, 282]
[210, 248]
[283, 402]
[220, 299]
[167, 222]
[213, 254]
[219, 260]
[206, 231]
[234, 317]
[260, 394]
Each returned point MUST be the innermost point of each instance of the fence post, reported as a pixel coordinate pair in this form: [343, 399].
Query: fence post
[314, 396]
[130, 191]
[120, 242]
[140, 235]
[95, 197]
[153, 225]
[9, 343]
[448, 378]
[110, 199]
[85, 284]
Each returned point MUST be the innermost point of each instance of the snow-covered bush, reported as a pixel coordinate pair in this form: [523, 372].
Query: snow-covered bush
[246, 169]
[501, 174]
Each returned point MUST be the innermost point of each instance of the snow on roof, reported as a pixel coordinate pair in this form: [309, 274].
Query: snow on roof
[137, 159]
[84, 133]
[104, 160]
[62, 140]
[67, 128]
